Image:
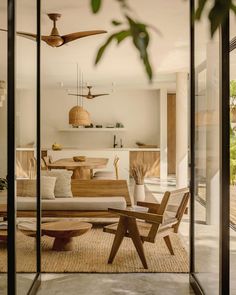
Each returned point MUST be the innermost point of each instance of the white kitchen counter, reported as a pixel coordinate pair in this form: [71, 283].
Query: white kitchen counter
[110, 153]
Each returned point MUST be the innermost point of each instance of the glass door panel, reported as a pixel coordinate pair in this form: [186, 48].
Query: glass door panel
[207, 165]
[26, 140]
[232, 159]
[3, 146]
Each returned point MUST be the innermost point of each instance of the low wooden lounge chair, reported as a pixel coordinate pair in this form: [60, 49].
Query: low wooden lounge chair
[158, 222]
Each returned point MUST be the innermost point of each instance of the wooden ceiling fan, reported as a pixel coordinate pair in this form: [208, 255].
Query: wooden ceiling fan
[89, 95]
[55, 39]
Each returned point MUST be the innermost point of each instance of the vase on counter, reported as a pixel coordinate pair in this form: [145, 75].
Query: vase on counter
[139, 193]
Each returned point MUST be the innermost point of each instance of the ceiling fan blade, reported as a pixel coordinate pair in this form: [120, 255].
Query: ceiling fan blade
[23, 34]
[74, 94]
[101, 94]
[74, 36]
[29, 36]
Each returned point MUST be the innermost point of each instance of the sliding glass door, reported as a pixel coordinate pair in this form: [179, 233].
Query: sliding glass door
[23, 147]
[210, 157]
[232, 155]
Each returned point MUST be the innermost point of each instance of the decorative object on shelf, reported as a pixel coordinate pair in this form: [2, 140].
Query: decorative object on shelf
[78, 116]
[89, 95]
[138, 172]
[89, 126]
[146, 146]
[3, 92]
[119, 125]
[92, 129]
[98, 126]
[3, 183]
[114, 142]
[56, 147]
[55, 39]
[79, 158]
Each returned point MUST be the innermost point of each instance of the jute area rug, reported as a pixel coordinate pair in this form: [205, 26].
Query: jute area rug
[92, 253]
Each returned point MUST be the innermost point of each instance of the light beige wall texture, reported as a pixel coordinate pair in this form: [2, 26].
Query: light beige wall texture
[138, 110]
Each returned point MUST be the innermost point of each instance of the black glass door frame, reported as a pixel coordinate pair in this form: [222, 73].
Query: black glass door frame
[224, 273]
[11, 158]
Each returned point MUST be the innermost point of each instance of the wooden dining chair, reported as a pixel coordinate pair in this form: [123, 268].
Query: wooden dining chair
[47, 160]
[109, 174]
[159, 221]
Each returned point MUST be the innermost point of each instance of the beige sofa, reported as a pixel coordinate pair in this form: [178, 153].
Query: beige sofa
[91, 198]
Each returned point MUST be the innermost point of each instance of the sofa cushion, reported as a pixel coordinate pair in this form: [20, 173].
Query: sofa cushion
[73, 204]
[47, 186]
[63, 182]
[28, 187]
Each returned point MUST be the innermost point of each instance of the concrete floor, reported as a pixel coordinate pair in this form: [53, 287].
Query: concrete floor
[115, 284]
[104, 284]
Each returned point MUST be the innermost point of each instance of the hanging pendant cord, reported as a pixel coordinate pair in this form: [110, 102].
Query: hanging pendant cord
[77, 85]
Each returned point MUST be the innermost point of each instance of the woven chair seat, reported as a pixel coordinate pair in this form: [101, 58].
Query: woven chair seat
[143, 228]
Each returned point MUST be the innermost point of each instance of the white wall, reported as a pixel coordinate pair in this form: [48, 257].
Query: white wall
[3, 140]
[25, 117]
[138, 110]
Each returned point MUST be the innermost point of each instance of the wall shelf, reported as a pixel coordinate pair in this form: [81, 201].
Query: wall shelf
[93, 130]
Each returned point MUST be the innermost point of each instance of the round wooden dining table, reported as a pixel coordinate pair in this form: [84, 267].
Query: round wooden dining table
[81, 170]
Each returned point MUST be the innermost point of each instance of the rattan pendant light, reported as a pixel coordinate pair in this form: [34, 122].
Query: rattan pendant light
[78, 116]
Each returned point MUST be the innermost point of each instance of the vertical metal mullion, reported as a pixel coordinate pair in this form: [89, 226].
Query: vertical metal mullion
[38, 123]
[11, 214]
[192, 134]
[224, 158]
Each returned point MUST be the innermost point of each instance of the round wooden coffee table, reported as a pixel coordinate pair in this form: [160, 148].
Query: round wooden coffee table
[64, 233]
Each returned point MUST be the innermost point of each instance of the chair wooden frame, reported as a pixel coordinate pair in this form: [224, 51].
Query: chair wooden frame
[105, 174]
[157, 224]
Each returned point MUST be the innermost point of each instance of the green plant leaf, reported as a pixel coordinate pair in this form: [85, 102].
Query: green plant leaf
[119, 37]
[96, 5]
[218, 14]
[233, 7]
[148, 67]
[232, 88]
[116, 22]
[141, 41]
[124, 4]
[122, 35]
[102, 49]
[201, 6]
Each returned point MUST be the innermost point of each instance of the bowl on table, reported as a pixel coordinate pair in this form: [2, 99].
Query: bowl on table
[79, 158]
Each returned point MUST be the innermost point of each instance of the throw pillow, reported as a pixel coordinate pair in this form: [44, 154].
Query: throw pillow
[63, 182]
[47, 187]
[26, 188]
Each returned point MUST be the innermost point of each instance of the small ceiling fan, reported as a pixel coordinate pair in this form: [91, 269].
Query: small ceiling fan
[89, 95]
[55, 39]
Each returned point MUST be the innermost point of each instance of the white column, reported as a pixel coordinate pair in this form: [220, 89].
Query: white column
[212, 134]
[163, 134]
[182, 129]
